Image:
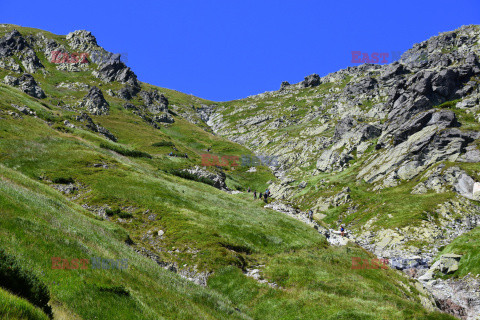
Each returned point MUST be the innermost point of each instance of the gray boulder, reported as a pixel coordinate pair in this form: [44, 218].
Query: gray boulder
[154, 101]
[95, 103]
[27, 84]
[312, 80]
[217, 178]
[284, 85]
[82, 40]
[113, 70]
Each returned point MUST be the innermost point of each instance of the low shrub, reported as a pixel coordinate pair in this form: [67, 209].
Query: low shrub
[126, 152]
[190, 176]
[118, 290]
[118, 212]
[18, 281]
[63, 180]
[163, 144]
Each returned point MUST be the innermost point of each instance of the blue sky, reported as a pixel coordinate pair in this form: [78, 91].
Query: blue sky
[224, 50]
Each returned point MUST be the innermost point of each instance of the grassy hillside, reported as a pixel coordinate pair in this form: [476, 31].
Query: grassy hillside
[13, 307]
[183, 222]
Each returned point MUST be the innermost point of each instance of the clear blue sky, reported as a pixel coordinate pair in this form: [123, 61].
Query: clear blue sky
[223, 50]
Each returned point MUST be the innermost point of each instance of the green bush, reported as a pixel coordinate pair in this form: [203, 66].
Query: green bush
[22, 283]
[190, 176]
[118, 290]
[163, 144]
[63, 180]
[126, 152]
[118, 212]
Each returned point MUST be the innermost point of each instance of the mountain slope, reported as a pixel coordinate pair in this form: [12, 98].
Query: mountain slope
[86, 172]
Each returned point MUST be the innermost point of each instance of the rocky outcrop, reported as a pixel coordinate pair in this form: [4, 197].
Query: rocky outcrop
[128, 92]
[27, 84]
[14, 44]
[82, 40]
[115, 70]
[217, 178]
[95, 103]
[85, 118]
[155, 102]
[312, 80]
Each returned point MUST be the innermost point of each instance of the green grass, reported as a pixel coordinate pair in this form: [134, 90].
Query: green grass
[59, 228]
[468, 246]
[15, 308]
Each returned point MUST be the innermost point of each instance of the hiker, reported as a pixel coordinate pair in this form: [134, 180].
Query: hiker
[254, 194]
[265, 196]
[310, 214]
[170, 154]
[342, 231]
[186, 155]
[260, 196]
[248, 190]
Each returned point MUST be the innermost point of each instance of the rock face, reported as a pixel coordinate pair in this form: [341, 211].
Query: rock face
[95, 103]
[82, 40]
[218, 179]
[27, 84]
[312, 80]
[115, 70]
[12, 44]
[155, 102]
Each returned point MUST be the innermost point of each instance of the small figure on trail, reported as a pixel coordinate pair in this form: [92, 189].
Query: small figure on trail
[248, 190]
[342, 231]
[186, 155]
[310, 214]
[170, 154]
[260, 196]
[265, 196]
[254, 194]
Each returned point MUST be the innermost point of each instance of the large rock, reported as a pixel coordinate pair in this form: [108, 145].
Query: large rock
[154, 101]
[27, 84]
[13, 43]
[218, 178]
[82, 40]
[113, 70]
[95, 103]
[312, 80]
[447, 264]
